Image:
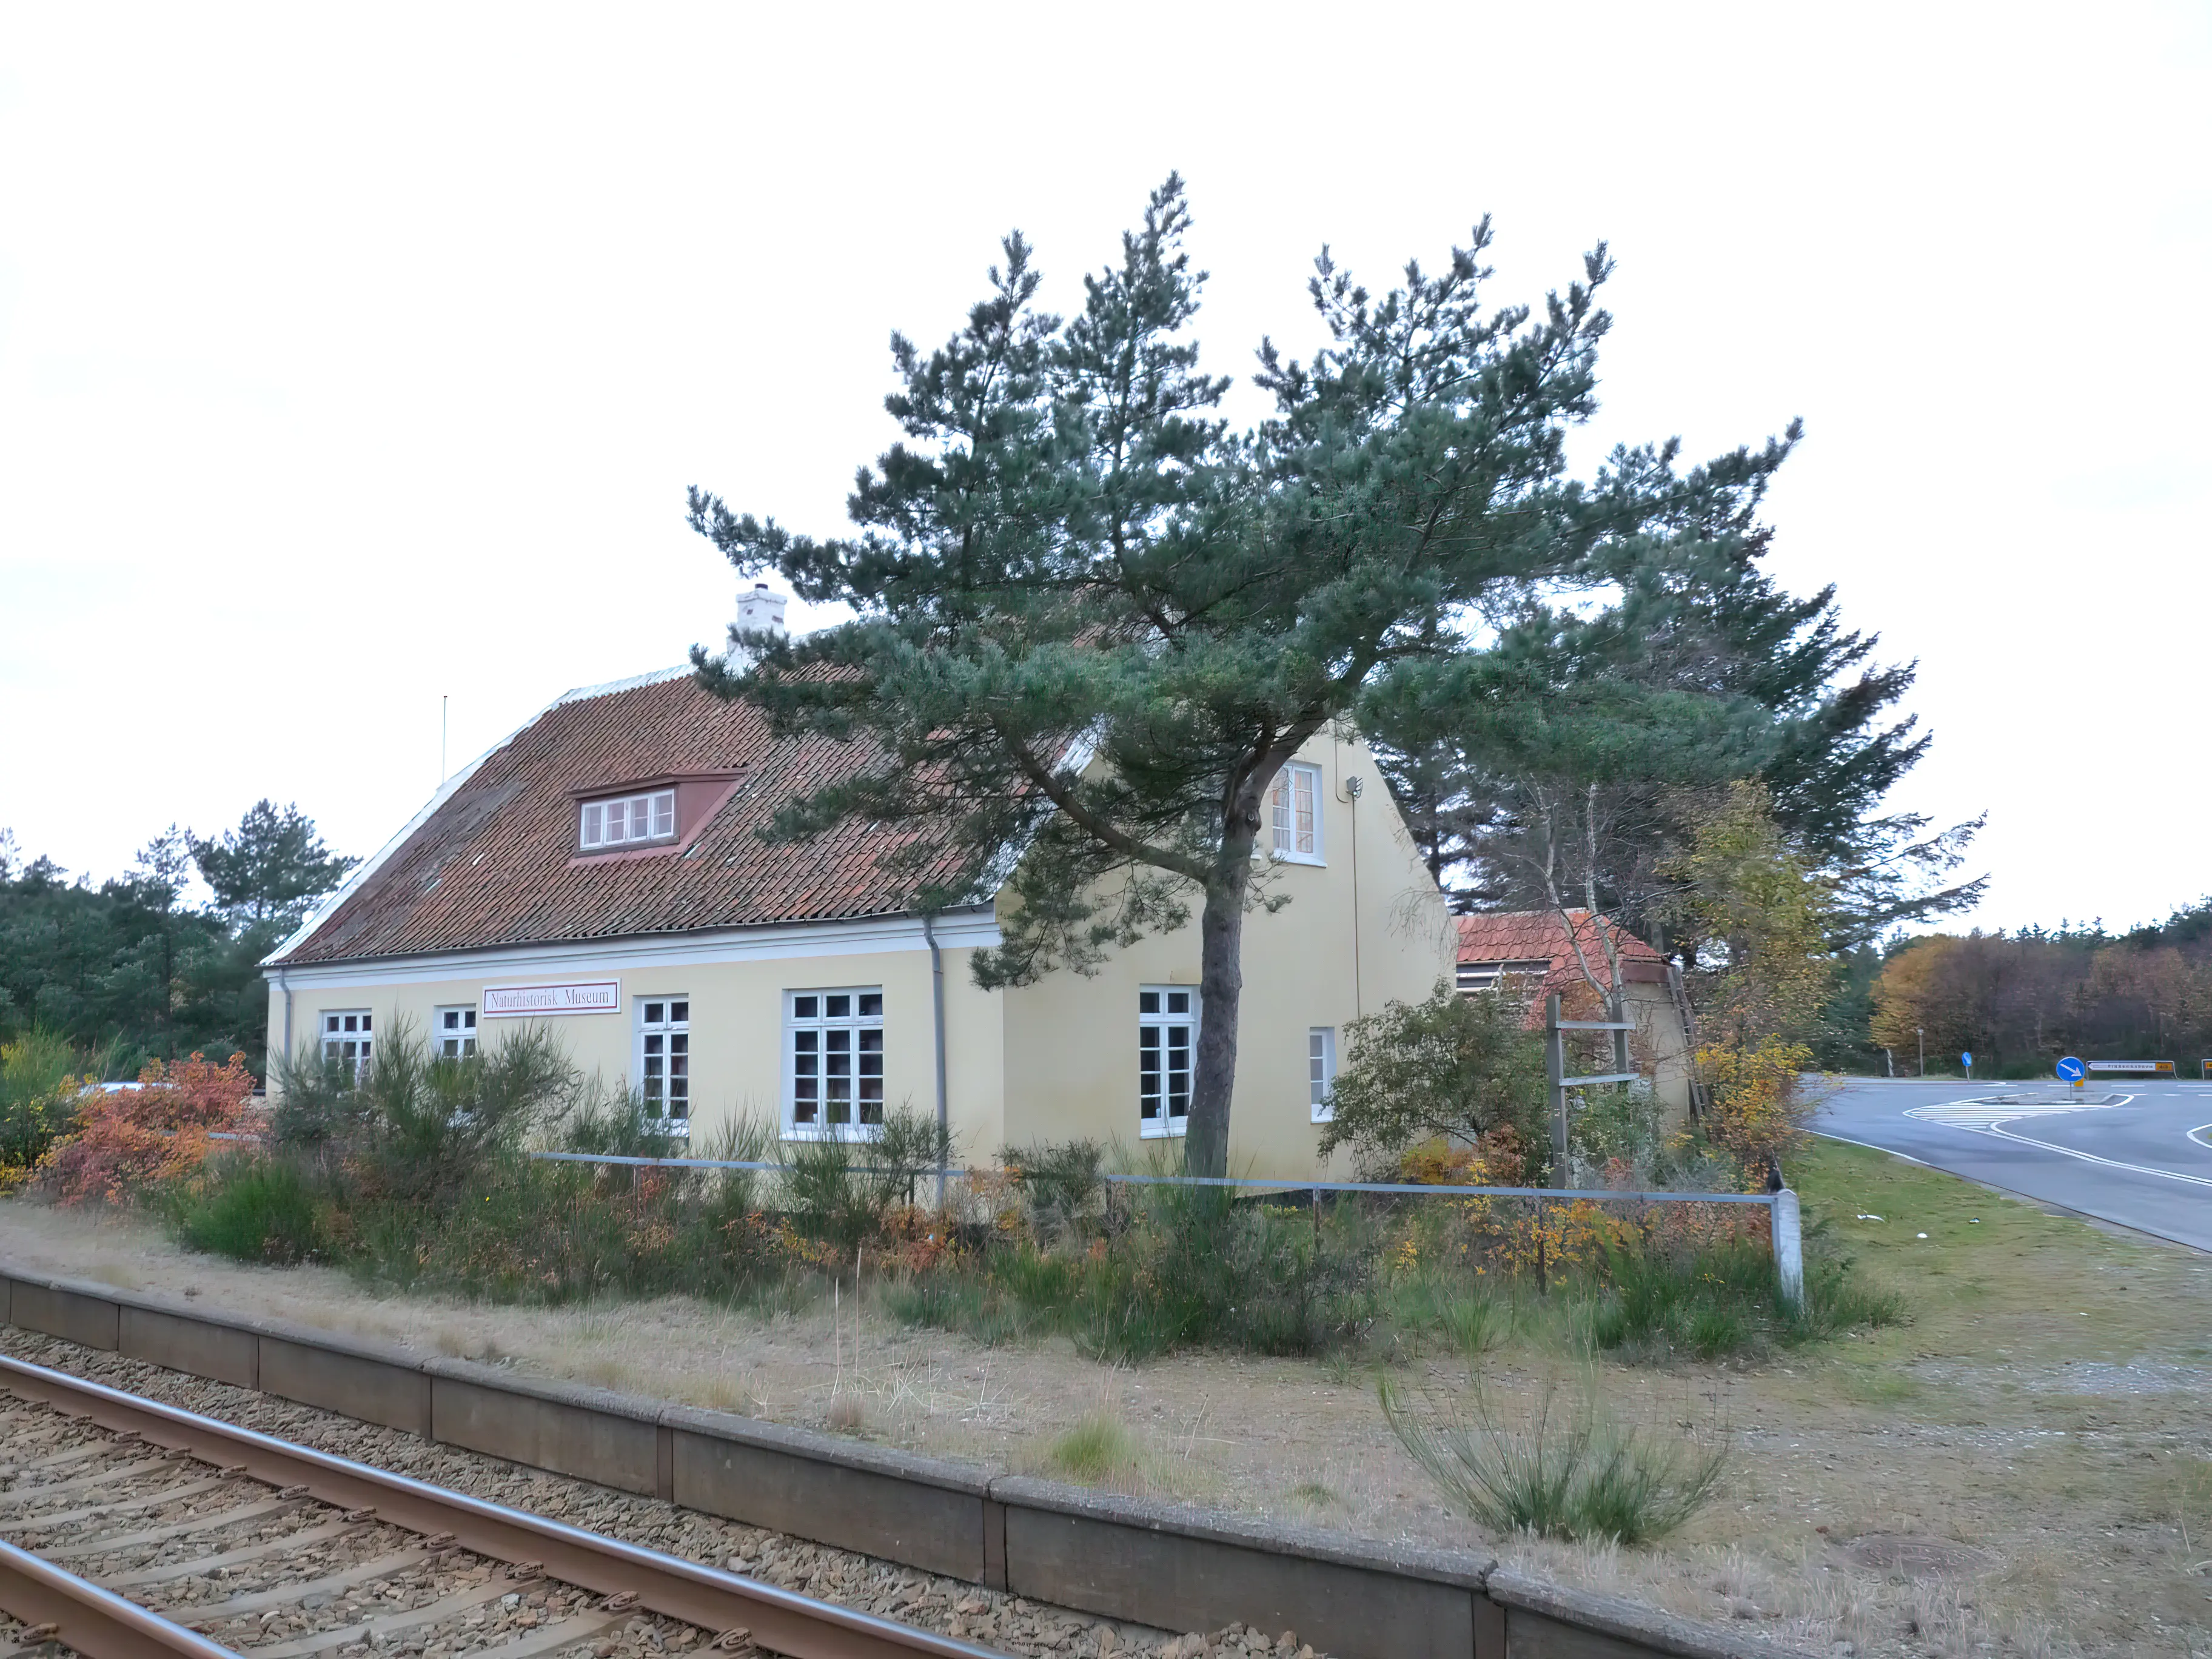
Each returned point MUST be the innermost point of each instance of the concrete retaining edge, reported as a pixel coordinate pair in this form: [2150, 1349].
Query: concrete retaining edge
[1158, 1564]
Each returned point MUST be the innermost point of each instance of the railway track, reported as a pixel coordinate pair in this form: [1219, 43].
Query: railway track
[135, 1529]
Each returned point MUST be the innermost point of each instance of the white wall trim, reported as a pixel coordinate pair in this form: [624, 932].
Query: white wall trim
[868, 936]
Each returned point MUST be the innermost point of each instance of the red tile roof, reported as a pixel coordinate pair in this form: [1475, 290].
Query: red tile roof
[1541, 936]
[495, 862]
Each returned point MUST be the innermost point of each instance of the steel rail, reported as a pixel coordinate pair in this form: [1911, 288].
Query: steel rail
[95, 1622]
[777, 1618]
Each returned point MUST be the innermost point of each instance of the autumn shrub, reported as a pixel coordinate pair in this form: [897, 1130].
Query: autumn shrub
[34, 1065]
[1451, 1067]
[128, 1142]
[1758, 1102]
[43, 1079]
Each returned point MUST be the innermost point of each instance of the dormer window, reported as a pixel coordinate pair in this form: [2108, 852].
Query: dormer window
[627, 821]
[661, 815]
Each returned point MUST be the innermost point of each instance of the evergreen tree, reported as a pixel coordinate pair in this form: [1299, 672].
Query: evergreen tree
[134, 967]
[267, 873]
[1808, 716]
[1093, 622]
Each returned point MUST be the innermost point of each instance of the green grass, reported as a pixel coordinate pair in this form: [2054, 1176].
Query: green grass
[1994, 1272]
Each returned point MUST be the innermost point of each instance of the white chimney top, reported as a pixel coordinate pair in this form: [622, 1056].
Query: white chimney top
[760, 611]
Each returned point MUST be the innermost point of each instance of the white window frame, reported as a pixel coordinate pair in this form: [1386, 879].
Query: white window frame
[664, 1059]
[1297, 787]
[453, 1030]
[1473, 976]
[1160, 1021]
[812, 1032]
[655, 809]
[347, 1029]
[1321, 1072]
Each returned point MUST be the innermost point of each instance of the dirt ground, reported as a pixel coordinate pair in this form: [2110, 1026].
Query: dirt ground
[2024, 1467]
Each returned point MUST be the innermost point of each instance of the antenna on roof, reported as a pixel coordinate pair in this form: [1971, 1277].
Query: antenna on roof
[443, 699]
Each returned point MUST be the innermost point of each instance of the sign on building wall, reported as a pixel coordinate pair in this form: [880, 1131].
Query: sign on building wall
[599, 996]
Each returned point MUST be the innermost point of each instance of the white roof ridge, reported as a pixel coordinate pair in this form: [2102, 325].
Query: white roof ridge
[584, 692]
[445, 791]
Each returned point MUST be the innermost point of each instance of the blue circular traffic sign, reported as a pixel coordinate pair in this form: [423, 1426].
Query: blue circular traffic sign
[2069, 1070]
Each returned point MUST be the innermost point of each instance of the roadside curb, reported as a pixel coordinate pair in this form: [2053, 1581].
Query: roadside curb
[1165, 1564]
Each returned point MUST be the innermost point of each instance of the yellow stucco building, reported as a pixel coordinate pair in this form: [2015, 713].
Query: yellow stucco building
[599, 873]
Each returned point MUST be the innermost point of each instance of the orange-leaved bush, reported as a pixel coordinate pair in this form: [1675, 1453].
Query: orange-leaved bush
[131, 1140]
[1759, 1105]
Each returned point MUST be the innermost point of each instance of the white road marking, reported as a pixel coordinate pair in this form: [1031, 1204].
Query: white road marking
[1982, 1113]
[2197, 1134]
[1825, 1134]
[2109, 1162]
[1988, 1118]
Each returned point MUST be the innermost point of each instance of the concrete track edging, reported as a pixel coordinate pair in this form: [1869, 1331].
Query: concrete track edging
[1121, 1558]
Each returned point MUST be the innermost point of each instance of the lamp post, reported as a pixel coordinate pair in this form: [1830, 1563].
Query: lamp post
[1923, 1037]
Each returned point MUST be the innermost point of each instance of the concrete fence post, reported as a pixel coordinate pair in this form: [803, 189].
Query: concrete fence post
[1555, 1069]
[1789, 1249]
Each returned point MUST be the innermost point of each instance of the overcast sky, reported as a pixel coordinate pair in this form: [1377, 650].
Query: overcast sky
[352, 359]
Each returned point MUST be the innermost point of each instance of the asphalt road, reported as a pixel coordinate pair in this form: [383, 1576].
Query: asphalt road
[2145, 1163]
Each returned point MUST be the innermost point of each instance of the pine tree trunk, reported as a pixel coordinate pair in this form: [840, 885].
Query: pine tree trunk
[1221, 984]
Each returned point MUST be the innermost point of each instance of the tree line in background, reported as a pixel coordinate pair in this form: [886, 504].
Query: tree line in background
[131, 970]
[2019, 1001]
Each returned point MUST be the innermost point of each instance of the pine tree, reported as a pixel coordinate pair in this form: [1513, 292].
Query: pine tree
[1093, 623]
[268, 872]
[1638, 713]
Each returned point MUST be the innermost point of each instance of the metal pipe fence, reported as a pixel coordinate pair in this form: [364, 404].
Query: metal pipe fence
[1281, 1184]
[1789, 1246]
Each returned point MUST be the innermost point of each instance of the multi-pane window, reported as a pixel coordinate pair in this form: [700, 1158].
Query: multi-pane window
[347, 1038]
[1487, 975]
[1321, 1071]
[1167, 1048]
[834, 1046]
[624, 823]
[1294, 807]
[454, 1031]
[664, 1059]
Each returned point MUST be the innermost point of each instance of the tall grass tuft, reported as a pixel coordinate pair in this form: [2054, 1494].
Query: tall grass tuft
[1723, 1300]
[259, 1209]
[1096, 1449]
[1562, 1471]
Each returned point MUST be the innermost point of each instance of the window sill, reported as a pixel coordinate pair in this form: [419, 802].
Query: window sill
[1325, 1115]
[1314, 858]
[860, 1133]
[625, 853]
[1160, 1131]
